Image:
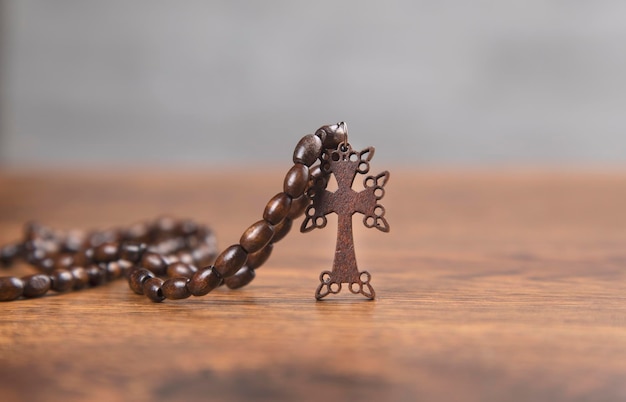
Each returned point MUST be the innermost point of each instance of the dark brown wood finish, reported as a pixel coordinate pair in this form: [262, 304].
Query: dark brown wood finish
[490, 286]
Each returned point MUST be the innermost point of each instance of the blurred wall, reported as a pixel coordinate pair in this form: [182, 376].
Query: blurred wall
[426, 82]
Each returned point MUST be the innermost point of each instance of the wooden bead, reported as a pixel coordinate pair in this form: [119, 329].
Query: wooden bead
[139, 233]
[45, 265]
[113, 270]
[281, 230]
[97, 275]
[231, 260]
[137, 278]
[204, 281]
[296, 180]
[334, 137]
[255, 260]
[106, 252]
[298, 206]
[167, 246]
[74, 241]
[318, 177]
[153, 289]
[9, 253]
[154, 262]
[164, 226]
[132, 251]
[176, 288]
[81, 277]
[95, 239]
[10, 288]
[321, 134]
[307, 151]
[186, 227]
[180, 269]
[36, 285]
[83, 257]
[185, 257]
[203, 255]
[126, 266]
[277, 208]
[241, 278]
[62, 280]
[63, 261]
[33, 253]
[256, 236]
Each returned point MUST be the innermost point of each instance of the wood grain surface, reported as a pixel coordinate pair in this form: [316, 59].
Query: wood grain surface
[492, 286]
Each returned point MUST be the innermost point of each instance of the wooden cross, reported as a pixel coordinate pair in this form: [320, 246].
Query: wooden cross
[345, 163]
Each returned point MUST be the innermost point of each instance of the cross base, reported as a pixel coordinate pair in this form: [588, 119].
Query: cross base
[330, 283]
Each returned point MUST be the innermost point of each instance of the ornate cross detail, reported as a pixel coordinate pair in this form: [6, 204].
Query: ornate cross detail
[345, 163]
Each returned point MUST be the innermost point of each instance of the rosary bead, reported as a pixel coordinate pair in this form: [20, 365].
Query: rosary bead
[106, 252]
[231, 260]
[81, 277]
[97, 276]
[96, 239]
[9, 253]
[113, 270]
[45, 265]
[277, 208]
[132, 251]
[321, 134]
[126, 266]
[63, 261]
[185, 257]
[84, 257]
[139, 233]
[176, 288]
[167, 246]
[256, 236]
[315, 172]
[169, 259]
[296, 180]
[186, 227]
[33, 230]
[34, 251]
[36, 285]
[180, 269]
[334, 137]
[298, 206]
[282, 229]
[308, 150]
[10, 288]
[163, 227]
[62, 280]
[240, 279]
[204, 281]
[154, 262]
[153, 289]
[255, 260]
[318, 177]
[203, 255]
[137, 278]
[74, 241]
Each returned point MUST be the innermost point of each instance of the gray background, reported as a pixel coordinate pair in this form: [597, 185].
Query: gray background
[479, 83]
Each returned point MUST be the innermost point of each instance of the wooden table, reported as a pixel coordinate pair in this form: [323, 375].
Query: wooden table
[495, 286]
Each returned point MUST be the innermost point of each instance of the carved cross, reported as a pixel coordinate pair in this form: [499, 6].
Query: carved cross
[345, 163]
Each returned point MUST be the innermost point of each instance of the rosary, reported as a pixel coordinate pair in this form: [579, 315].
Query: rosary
[186, 253]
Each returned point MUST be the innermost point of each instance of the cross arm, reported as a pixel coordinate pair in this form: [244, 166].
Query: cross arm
[367, 202]
[315, 214]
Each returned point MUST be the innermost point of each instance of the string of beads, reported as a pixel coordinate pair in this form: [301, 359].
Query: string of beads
[146, 252]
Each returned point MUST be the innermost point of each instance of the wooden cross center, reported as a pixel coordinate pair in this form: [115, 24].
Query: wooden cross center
[345, 163]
